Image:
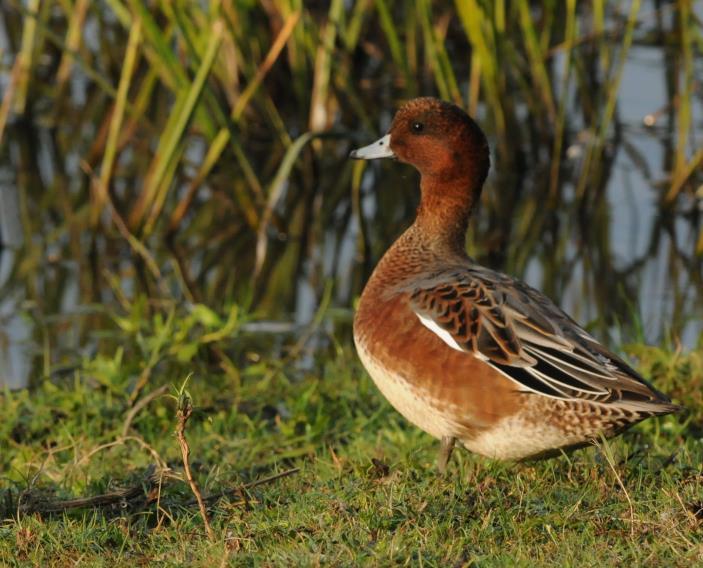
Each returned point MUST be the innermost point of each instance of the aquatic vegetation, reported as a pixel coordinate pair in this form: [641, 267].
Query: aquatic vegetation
[176, 200]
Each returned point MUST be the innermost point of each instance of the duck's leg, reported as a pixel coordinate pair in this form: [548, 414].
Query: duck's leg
[445, 452]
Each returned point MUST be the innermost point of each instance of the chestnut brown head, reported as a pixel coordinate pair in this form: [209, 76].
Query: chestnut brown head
[438, 138]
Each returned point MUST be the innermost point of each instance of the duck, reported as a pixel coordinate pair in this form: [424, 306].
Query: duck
[468, 354]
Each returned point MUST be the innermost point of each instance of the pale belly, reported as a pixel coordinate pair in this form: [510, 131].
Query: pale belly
[410, 401]
[514, 437]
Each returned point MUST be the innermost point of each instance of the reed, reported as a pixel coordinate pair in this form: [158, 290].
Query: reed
[194, 150]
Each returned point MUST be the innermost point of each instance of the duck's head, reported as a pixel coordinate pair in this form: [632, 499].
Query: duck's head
[438, 138]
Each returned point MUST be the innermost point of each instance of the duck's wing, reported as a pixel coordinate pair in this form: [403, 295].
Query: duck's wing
[521, 333]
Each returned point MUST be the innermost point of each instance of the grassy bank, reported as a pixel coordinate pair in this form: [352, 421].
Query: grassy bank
[180, 177]
[358, 485]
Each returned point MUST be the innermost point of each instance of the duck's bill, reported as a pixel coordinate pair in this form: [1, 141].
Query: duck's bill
[379, 149]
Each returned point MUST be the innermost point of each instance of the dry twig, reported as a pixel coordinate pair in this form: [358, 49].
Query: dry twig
[139, 406]
[185, 409]
[239, 490]
[141, 493]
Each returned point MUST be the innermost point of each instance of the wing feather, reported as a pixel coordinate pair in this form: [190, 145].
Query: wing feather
[522, 334]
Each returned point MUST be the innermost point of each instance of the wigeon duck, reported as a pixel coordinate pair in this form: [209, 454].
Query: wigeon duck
[467, 353]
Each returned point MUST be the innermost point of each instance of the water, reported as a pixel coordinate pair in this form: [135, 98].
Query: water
[618, 263]
[660, 259]
[14, 329]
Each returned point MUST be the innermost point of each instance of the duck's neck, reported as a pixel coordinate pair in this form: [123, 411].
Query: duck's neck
[443, 214]
[437, 235]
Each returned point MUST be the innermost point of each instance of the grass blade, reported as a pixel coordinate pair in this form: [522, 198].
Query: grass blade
[570, 33]
[388, 26]
[591, 161]
[437, 56]
[274, 194]
[683, 170]
[536, 58]
[318, 118]
[478, 30]
[158, 183]
[116, 123]
[25, 56]
[73, 40]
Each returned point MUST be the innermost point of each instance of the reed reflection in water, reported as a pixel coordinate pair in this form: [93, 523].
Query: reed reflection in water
[201, 156]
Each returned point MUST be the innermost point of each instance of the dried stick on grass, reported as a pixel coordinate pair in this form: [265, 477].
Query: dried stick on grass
[141, 403]
[242, 488]
[140, 495]
[185, 409]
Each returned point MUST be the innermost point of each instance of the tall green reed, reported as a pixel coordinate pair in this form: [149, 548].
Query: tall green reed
[198, 150]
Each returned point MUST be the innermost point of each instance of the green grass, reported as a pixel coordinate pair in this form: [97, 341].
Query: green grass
[66, 439]
[167, 154]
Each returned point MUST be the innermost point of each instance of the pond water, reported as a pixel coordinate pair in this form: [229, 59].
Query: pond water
[14, 353]
[656, 253]
[625, 266]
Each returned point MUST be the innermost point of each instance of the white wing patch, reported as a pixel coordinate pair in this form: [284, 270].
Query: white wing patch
[443, 334]
[553, 384]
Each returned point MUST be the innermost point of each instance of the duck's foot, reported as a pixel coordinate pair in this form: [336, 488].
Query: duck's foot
[445, 452]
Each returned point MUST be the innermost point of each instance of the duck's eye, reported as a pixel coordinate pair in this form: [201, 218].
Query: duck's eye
[417, 127]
